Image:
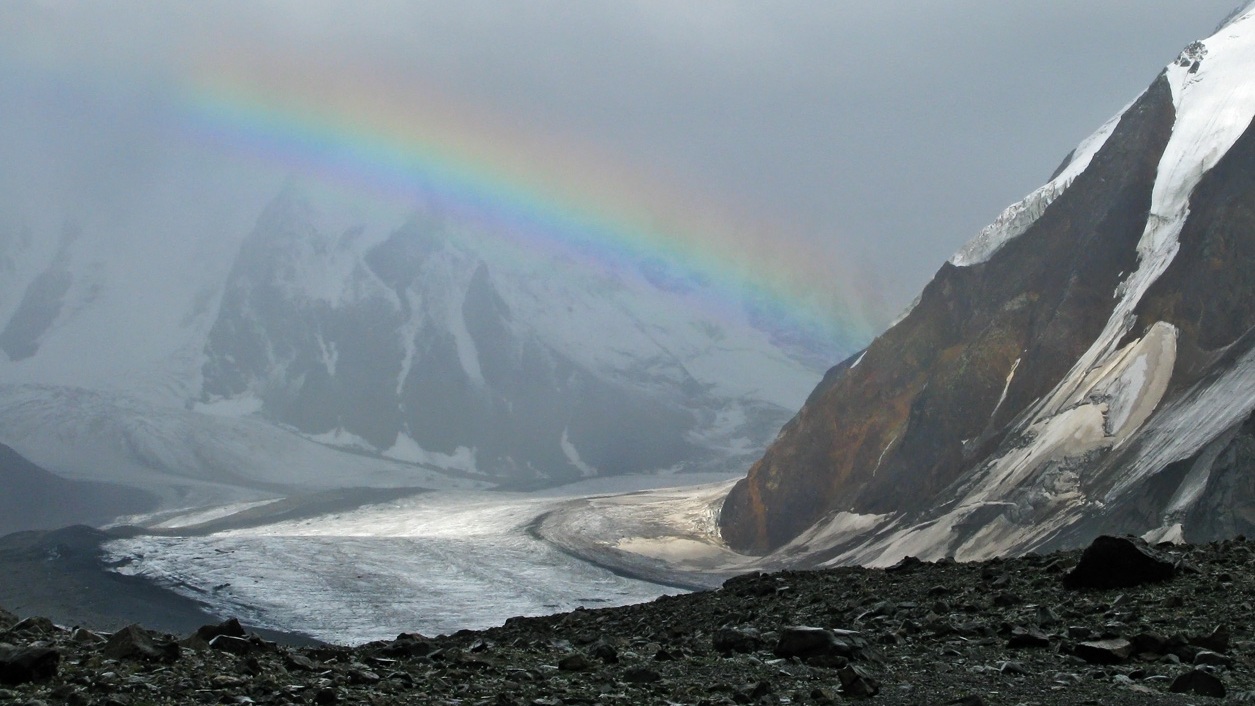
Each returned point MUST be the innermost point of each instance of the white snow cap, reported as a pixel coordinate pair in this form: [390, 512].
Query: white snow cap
[1209, 75]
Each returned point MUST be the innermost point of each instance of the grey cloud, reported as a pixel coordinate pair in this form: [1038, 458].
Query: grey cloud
[891, 131]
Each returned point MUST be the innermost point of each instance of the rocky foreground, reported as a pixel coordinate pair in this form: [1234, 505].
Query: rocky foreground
[1120, 624]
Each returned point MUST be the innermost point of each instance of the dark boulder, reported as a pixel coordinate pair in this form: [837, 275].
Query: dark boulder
[230, 627]
[803, 641]
[604, 651]
[19, 665]
[641, 675]
[575, 662]
[134, 642]
[727, 640]
[1118, 562]
[1217, 641]
[857, 683]
[1198, 682]
[232, 644]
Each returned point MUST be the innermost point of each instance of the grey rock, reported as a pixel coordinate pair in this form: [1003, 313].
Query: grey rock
[1113, 651]
[35, 626]
[857, 683]
[1027, 638]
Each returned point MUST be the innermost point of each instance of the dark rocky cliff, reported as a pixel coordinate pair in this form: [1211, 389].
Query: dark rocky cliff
[923, 404]
[1093, 372]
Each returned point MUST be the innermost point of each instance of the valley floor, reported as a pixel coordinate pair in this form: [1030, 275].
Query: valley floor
[995, 632]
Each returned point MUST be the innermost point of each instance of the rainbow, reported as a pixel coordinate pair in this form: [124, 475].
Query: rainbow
[411, 143]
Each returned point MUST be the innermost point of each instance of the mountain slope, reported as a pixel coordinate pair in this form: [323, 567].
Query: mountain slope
[35, 499]
[431, 341]
[1082, 363]
[439, 344]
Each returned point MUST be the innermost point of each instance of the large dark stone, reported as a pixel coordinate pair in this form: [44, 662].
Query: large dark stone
[1118, 562]
[1198, 682]
[802, 641]
[232, 644]
[641, 675]
[230, 627]
[19, 665]
[1217, 641]
[734, 639]
[857, 683]
[134, 642]
[575, 662]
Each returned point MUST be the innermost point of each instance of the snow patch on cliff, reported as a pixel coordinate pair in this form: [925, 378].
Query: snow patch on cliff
[1017, 217]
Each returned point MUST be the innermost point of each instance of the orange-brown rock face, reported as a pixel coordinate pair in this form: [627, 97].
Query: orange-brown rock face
[890, 430]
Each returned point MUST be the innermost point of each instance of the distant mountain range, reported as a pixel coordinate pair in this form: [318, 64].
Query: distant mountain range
[1086, 364]
[326, 349]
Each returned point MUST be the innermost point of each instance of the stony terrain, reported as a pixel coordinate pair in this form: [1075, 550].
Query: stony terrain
[1030, 630]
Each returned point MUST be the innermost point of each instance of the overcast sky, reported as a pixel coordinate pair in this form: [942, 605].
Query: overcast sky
[891, 132]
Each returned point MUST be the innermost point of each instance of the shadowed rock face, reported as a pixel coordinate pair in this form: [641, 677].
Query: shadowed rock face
[41, 304]
[925, 403]
[32, 498]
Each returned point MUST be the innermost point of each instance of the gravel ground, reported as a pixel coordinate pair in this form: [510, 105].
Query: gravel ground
[998, 632]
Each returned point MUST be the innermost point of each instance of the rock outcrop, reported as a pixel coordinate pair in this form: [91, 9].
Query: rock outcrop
[1083, 367]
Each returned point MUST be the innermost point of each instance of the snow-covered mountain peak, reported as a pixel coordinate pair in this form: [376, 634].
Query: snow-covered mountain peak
[1214, 104]
[1084, 364]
